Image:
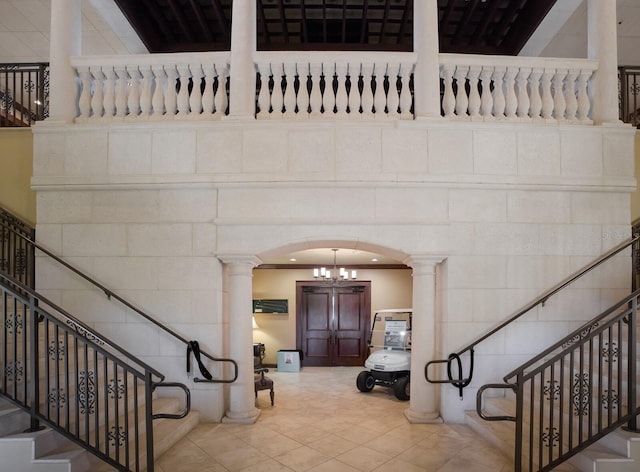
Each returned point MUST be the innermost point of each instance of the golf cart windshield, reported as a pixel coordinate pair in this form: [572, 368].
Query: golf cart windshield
[391, 330]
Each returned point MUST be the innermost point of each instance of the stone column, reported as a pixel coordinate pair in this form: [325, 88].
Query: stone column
[242, 73]
[423, 406]
[241, 405]
[427, 47]
[603, 45]
[65, 41]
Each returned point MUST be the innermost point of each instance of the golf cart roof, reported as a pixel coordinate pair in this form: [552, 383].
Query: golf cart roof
[396, 310]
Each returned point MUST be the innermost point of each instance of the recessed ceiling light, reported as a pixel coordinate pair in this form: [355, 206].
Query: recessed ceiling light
[374, 260]
[293, 259]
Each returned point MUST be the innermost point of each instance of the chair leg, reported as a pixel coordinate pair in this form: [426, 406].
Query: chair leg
[271, 394]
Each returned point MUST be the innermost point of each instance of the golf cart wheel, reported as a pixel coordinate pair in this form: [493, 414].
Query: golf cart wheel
[401, 388]
[365, 381]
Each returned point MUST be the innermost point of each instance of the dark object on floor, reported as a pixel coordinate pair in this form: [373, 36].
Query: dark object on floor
[262, 382]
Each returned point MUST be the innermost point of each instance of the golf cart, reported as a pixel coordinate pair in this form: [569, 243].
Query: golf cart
[389, 358]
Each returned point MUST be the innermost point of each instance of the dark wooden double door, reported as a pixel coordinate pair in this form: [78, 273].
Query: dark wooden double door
[333, 322]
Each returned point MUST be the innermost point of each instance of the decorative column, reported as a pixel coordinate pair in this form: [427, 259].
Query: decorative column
[427, 47]
[423, 405]
[241, 405]
[65, 41]
[242, 76]
[602, 45]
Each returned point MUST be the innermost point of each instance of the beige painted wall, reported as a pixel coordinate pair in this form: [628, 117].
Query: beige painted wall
[16, 162]
[389, 289]
[635, 196]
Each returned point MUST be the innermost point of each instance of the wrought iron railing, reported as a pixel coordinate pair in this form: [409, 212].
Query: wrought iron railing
[77, 381]
[455, 358]
[576, 392]
[629, 98]
[17, 257]
[27, 243]
[24, 94]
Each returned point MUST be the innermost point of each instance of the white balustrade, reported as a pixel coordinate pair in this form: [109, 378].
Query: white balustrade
[334, 85]
[152, 87]
[516, 88]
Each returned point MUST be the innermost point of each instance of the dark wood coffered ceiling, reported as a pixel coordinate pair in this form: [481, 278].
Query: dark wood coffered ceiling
[465, 26]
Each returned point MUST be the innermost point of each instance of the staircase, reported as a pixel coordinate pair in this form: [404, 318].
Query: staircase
[574, 397]
[97, 404]
[70, 399]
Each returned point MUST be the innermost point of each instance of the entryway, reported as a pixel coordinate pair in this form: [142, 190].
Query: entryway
[333, 322]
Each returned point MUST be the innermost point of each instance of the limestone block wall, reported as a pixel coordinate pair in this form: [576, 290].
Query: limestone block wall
[510, 208]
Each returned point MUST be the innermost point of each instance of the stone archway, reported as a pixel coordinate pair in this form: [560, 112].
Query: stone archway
[423, 407]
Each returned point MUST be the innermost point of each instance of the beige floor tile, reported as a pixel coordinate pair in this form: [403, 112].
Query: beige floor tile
[333, 466]
[322, 423]
[240, 458]
[363, 458]
[302, 459]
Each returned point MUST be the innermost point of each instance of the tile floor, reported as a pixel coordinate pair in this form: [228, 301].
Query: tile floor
[321, 422]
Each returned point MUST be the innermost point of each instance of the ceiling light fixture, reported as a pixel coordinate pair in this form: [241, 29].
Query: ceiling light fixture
[322, 273]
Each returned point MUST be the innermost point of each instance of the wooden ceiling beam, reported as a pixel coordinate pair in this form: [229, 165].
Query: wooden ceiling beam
[488, 16]
[182, 22]
[303, 19]
[221, 18]
[445, 15]
[365, 14]
[283, 21]
[533, 12]
[462, 26]
[202, 21]
[263, 20]
[506, 20]
[408, 10]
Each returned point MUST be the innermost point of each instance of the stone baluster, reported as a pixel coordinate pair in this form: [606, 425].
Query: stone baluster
[379, 97]
[171, 97]
[462, 100]
[570, 94]
[559, 103]
[535, 99]
[303, 91]
[133, 101]
[393, 98]
[499, 101]
[208, 104]
[157, 101]
[354, 93]
[221, 99]
[183, 94]
[329, 96]
[277, 96]
[342, 99]
[84, 103]
[110, 93]
[584, 104]
[448, 99]
[547, 96]
[511, 98]
[524, 102]
[195, 99]
[474, 94]
[97, 99]
[367, 90]
[290, 92]
[264, 97]
[315, 100]
[122, 86]
[405, 92]
[486, 98]
[146, 92]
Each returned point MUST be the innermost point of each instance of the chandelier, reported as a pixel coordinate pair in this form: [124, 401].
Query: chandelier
[335, 275]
